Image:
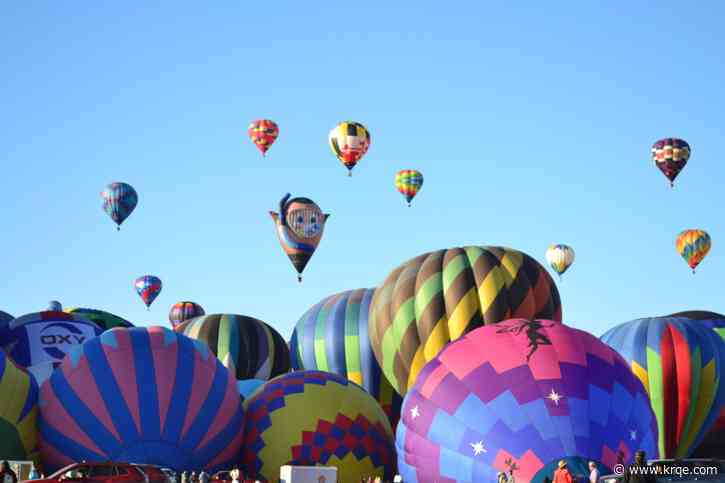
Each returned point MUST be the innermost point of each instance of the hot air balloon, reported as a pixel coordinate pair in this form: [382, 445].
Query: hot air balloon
[144, 395]
[148, 287]
[263, 133]
[545, 392]
[408, 182]
[349, 141]
[439, 296]
[105, 320]
[713, 445]
[346, 429]
[681, 364]
[693, 246]
[333, 336]
[248, 347]
[300, 223]
[560, 258]
[39, 341]
[182, 311]
[18, 411]
[5, 319]
[119, 201]
[247, 387]
[670, 155]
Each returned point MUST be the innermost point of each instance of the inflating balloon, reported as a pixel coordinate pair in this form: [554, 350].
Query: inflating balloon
[119, 201]
[105, 320]
[439, 296]
[5, 319]
[148, 287]
[141, 395]
[263, 133]
[309, 418]
[333, 336]
[18, 412]
[408, 182]
[39, 341]
[560, 258]
[55, 306]
[670, 155]
[516, 396]
[248, 347]
[182, 311]
[681, 364]
[300, 224]
[349, 141]
[693, 246]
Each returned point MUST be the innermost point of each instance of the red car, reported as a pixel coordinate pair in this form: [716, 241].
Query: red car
[154, 473]
[220, 477]
[97, 473]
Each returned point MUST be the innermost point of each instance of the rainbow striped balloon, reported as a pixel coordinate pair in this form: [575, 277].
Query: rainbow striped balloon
[693, 246]
[142, 395]
[408, 182]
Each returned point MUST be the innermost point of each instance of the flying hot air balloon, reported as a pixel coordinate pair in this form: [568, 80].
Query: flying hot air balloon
[693, 246]
[119, 201]
[300, 223]
[670, 156]
[148, 287]
[349, 141]
[182, 311]
[263, 134]
[560, 258]
[408, 182]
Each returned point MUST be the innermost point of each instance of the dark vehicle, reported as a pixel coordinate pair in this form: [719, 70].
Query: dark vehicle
[96, 473]
[221, 477]
[154, 473]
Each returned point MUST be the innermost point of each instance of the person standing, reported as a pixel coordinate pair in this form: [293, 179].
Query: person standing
[562, 475]
[7, 475]
[234, 474]
[593, 472]
[203, 477]
[33, 475]
[640, 475]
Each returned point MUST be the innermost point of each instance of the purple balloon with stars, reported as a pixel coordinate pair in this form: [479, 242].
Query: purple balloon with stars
[517, 395]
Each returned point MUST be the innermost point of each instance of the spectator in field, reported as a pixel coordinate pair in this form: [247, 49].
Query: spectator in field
[562, 475]
[593, 472]
[6, 474]
[33, 475]
[234, 475]
[640, 475]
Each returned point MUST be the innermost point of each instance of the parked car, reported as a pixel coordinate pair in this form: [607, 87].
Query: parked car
[220, 477]
[171, 474]
[154, 473]
[106, 472]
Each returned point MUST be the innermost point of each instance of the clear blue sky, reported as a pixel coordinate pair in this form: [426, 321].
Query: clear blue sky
[531, 124]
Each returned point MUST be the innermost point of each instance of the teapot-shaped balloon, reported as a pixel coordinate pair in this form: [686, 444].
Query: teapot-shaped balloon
[300, 224]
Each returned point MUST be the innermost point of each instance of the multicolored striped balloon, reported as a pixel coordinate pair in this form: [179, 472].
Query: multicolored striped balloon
[141, 395]
[148, 287]
[105, 320]
[439, 296]
[693, 246]
[18, 412]
[681, 364]
[333, 336]
[670, 155]
[408, 182]
[183, 311]
[248, 347]
[546, 391]
[119, 201]
[560, 257]
[263, 134]
[310, 418]
[349, 142]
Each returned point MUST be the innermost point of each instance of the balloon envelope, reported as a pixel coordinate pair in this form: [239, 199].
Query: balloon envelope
[39, 341]
[105, 320]
[119, 201]
[182, 311]
[18, 411]
[439, 296]
[248, 347]
[670, 155]
[332, 336]
[248, 386]
[263, 134]
[408, 182]
[547, 391]
[142, 395]
[560, 257]
[349, 141]
[309, 418]
[693, 246]
[148, 287]
[681, 364]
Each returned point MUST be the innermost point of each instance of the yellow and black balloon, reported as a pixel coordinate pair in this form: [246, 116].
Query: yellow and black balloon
[349, 141]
